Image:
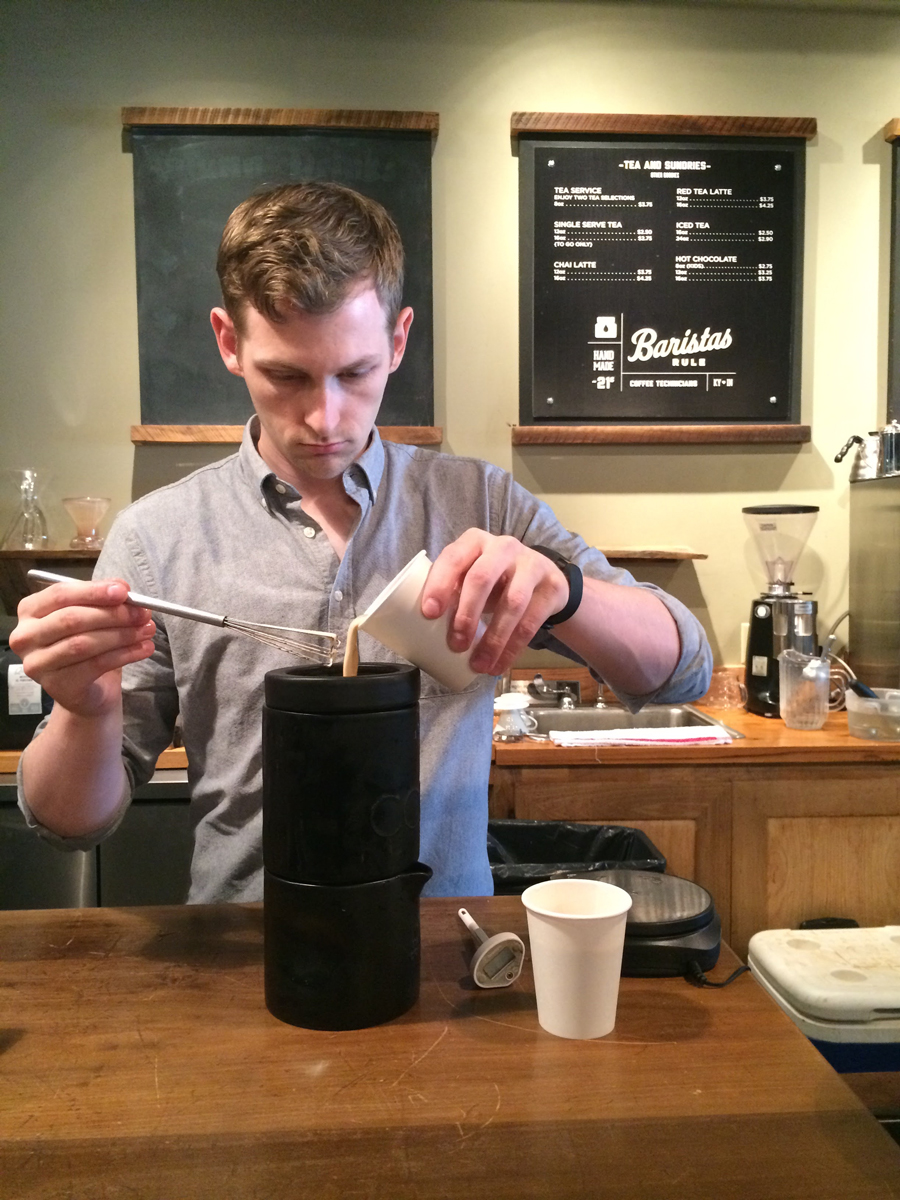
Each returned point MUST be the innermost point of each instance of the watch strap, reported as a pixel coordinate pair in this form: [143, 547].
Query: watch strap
[575, 580]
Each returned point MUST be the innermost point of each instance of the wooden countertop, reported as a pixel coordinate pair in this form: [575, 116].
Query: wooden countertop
[139, 1059]
[766, 740]
[174, 757]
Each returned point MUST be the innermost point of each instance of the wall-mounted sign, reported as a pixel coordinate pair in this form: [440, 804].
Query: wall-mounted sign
[661, 280]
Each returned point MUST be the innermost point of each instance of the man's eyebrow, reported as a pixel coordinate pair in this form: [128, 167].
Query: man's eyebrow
[367, 360]
[279, 364]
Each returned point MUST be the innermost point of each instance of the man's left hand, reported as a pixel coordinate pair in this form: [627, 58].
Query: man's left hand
[498, 579]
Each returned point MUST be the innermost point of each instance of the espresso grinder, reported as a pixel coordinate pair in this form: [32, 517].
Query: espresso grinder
[780, 619]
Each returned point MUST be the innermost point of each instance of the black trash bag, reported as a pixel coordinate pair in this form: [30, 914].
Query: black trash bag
[525, 852]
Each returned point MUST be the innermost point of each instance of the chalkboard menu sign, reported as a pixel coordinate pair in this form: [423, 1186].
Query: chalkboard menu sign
[661, 280]
[187, 180]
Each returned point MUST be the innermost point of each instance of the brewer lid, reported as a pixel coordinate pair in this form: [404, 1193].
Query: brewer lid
[662, 905]
[378, 687]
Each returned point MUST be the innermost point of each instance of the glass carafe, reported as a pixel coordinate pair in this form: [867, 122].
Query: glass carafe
[28, 528]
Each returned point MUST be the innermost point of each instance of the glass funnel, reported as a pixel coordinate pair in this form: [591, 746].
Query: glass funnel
[87, 512]
[780, 532]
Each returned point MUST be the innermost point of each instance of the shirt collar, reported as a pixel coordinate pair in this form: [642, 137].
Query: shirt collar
[366, 471]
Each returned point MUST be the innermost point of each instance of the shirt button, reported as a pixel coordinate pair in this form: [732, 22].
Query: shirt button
[280, 489]
[338, 595]
[308, 531]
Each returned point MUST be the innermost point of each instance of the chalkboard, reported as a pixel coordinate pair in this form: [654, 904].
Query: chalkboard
[187, 182]
[661, 280]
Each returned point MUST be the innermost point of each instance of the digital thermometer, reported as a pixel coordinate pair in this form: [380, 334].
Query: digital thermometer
[498, 960]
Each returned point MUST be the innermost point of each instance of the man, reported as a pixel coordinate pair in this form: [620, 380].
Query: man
[303, 527]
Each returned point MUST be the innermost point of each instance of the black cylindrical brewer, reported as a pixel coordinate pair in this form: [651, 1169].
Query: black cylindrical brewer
[341, 773]
[340, 844]
[342, 957]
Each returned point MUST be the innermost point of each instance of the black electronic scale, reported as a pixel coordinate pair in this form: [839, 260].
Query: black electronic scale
[671, 924]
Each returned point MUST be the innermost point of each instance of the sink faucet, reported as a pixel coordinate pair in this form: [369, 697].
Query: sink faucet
[562, 693]
[541, 688]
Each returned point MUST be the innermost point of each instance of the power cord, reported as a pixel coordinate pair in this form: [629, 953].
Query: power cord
[694, 975]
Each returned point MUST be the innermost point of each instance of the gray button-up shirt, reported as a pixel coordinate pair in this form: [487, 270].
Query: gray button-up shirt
[232, 538]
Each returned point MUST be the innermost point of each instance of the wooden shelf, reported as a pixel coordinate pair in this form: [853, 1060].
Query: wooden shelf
[661, 124]
[14, 565]
[301, 118]
[641, 435]
[152, 435]
[653, 554]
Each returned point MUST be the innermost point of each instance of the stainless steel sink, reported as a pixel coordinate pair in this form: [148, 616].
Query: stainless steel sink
[652, 716]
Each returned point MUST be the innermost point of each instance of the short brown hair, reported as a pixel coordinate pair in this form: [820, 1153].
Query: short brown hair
[306, 246]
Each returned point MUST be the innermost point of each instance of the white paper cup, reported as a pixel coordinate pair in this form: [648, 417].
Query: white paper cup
[576, 928]
[395, 618]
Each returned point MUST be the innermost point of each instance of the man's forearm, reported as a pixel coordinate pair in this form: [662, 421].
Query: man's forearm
[72, 774]
[626, 634]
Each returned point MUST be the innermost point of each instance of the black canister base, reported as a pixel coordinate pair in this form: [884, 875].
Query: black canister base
[342, 957]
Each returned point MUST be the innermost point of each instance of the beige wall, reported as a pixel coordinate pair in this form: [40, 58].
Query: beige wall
[69, 341]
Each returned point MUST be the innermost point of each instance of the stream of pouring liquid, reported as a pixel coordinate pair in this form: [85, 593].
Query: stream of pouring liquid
[351, 651]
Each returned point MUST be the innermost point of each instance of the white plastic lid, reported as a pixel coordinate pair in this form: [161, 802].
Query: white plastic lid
[832, 974]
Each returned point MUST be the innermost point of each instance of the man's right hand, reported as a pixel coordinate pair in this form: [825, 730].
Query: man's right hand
[74, 638]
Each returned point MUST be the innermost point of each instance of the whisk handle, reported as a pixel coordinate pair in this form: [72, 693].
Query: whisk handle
[175, 610]
[160, 606]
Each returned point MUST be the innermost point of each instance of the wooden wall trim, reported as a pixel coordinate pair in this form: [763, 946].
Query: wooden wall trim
[629, 435]
[321, 118]
[662, 124]
[150, 435]
[891, 131]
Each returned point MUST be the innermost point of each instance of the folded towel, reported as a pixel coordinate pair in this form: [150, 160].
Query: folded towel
[689, 735]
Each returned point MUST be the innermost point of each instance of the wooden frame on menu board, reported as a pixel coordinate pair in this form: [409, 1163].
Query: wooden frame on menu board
[181, 201]
[891, 133]
[629, 333]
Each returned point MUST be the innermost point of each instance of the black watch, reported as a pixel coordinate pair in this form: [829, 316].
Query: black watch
[576, 585]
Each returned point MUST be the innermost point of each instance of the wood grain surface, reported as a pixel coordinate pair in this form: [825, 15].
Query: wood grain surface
[652, 553]
[663, 124]
[639, 435]
[765, 741]
[320, 118]
[139, 1060]
[149, 435]
[811, 841]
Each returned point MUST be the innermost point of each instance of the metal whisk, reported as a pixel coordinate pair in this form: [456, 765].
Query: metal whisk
[305, 643]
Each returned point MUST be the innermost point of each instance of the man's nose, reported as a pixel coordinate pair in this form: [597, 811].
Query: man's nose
[322, 409]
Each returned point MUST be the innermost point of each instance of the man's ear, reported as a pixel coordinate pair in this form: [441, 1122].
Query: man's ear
[226, 340]
[401, 333]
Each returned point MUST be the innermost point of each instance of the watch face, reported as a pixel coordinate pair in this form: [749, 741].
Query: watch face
[553, 555]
